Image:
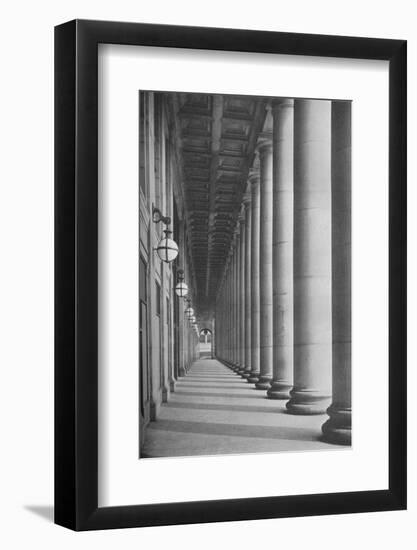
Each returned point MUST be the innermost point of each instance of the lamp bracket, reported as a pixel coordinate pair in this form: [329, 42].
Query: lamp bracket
[157, 216]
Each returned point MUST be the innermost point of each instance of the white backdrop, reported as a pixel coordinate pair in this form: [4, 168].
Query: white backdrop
[26, 300]
[123, 479]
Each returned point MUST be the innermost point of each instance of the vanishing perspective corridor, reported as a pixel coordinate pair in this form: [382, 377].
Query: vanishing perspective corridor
[244, 274]
[215, 411]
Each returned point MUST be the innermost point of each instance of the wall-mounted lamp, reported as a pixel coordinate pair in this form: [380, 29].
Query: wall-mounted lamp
[167, 248]
[181, 288]
[189, 312]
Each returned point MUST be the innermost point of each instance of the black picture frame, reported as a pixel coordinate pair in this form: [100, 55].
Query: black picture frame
[76, 271]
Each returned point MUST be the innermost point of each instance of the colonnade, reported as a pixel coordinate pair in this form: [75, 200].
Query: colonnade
[190, 346]
[283, 310]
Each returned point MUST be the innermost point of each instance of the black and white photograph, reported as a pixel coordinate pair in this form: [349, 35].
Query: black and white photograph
[244, 274]
[207, 212]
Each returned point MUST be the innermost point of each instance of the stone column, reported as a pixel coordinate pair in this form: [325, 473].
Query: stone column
[183, 341]
[219, 322]
[223, 305]
[225, 336]
[282, 248]
[265, 265]
[238, 285]
[185, 346]
[242, 260]
[217, 316]
[254, 246]
[338, 428]
[248, 228]
[232, 309]
[235, 290]
[237, 305]
[312, 258]
[229, 311]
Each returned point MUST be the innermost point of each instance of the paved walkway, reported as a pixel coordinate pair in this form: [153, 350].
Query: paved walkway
[214, 411]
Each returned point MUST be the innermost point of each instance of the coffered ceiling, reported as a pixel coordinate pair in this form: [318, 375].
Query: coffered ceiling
[218, 135]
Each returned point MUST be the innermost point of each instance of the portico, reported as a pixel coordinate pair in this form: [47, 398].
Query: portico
[258, 194]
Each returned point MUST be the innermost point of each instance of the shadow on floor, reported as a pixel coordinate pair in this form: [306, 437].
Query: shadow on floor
[220, 394]
[45, 512]
[216, 407]
[208, 380]
[260, 432]
[210, 376]
[221, 385]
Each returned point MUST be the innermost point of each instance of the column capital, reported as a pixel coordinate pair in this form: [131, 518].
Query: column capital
[247, 197]
[228, 260]
[282, 103]
[264, 144]
[253, 176]
[236, 233]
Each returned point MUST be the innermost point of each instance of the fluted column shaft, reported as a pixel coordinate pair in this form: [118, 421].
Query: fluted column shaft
[338, 428]
[248, 229]
[265, 265]
[312, 257]
[282, 248]
[255, 306]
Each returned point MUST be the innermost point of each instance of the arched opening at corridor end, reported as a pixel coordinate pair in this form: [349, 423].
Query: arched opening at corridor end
[206, 343]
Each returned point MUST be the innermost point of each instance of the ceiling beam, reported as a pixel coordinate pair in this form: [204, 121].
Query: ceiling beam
[215, 150]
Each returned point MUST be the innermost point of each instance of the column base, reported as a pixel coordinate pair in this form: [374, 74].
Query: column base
[165, 394]
[264, 382]
[228, 364]
[338, 428]
[253, 378]
[279, 390]
[154, 410]
[305, 401]
[245, 374]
